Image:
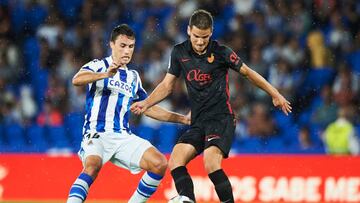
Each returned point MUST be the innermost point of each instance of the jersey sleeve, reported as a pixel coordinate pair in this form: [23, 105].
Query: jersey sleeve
[232, 60]
[92, 66]
[140, 93]
[174, 65]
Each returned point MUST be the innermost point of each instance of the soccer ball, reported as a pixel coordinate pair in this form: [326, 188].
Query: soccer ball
[180, 199]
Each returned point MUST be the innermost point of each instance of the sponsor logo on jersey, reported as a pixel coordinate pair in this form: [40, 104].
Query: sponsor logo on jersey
[198, 76]
[121, 87]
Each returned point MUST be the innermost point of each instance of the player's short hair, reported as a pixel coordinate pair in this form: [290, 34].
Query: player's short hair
[122, 29]
[201, 19]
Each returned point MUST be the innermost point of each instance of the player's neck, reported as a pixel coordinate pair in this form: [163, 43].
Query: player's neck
[123, 66]
[200, 53]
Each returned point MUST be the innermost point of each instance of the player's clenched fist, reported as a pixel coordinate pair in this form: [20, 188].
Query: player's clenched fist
[139, 107]
[111, 71]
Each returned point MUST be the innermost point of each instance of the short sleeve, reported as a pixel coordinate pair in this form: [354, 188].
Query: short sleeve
[92, 66]
[140, 93]
[174, 65]
[232, 60]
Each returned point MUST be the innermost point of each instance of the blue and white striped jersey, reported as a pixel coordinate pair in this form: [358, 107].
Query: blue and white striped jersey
[108, 100]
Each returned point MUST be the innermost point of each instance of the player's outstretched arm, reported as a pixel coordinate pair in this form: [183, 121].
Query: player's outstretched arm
[278, 100]
[161, 114]
[84, 77]
[160, 92]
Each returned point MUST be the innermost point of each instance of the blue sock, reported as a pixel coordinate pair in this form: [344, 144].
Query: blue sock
[147, 186]
[80, 188]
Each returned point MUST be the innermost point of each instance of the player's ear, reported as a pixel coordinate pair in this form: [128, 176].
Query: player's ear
[112, 44]
[188, 30]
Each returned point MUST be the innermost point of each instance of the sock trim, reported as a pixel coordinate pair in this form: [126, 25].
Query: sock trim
[77, 196]
[146, 190]
[154, 176]
[142, 194]
[81, 187]
[88, 179]
[147, 184]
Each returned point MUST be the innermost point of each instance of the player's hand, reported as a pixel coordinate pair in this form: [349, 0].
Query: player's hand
[283, 104]
[139, 107]
[187, 119]
[113, 68]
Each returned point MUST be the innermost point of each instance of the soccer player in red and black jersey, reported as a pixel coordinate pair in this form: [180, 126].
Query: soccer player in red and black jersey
[204, 64]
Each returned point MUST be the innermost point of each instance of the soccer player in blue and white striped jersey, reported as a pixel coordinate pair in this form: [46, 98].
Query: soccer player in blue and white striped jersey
[112, 88]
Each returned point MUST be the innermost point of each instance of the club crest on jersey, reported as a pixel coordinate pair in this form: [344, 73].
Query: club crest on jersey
[211, 58]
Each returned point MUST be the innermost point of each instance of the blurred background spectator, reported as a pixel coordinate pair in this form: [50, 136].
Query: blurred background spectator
[309, 50]
[339, 136]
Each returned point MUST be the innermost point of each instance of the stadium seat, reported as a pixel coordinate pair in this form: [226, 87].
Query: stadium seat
[283, 122]
[354, 59]
[146, 132]
[295, 148]
[36, 138]
[15, 137]
[167, 135]
[357, 131]
[315, 80]
[249, 145]
[2, 137]
[73, 127]
[273, 145]
[58, 138]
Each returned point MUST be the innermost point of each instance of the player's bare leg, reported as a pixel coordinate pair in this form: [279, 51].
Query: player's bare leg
[80, 188]
[154, 161]
[212, 161]
[92, 166]
[180, 157]
[155, 164]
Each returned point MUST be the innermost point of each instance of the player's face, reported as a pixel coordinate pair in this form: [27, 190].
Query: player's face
[199, 38]
[122, 49]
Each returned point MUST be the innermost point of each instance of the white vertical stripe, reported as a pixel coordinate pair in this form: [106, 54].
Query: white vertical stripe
[110, 112]
[138, 80]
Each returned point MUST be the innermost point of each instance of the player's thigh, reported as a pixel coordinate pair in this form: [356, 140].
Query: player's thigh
[220, 132]
[181, 155]
[194, 136]
[130, 153]
[154, 161]
[92, 146]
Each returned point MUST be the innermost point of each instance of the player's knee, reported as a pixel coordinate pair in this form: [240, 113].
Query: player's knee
[173, 163]
[92, 168]
[211, 165]
[160, 165]
[177, 159]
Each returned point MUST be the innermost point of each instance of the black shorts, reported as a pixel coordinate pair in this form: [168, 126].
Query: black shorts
[217, 130]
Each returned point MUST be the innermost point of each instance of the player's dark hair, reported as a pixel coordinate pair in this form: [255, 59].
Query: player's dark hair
[201, 19]
[122, 29]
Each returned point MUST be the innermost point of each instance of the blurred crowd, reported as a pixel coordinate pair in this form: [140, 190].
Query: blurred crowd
[309, 50]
